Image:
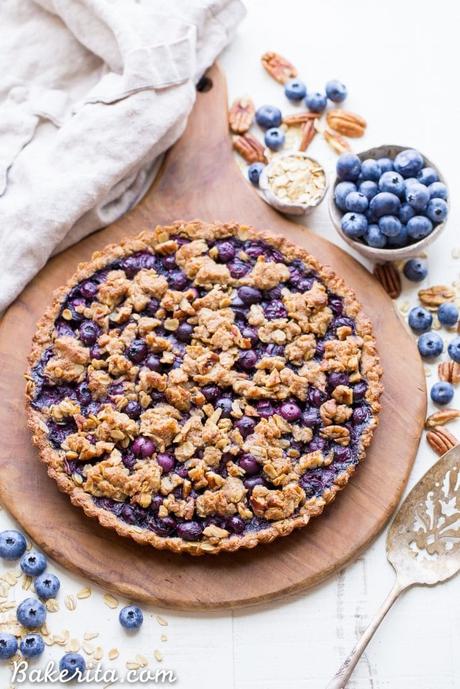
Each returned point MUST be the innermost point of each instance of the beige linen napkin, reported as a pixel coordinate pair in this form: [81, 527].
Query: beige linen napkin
[92, 92]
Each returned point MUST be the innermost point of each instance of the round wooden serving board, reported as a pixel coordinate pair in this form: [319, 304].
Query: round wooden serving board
[200, 179]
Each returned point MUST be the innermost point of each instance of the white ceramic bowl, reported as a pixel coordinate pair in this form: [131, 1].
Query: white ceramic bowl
[288, 207]
[381, 255]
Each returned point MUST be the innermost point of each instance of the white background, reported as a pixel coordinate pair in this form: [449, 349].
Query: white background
[400, 63]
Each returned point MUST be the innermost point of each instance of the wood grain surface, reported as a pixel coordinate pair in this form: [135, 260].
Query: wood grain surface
[199, 179]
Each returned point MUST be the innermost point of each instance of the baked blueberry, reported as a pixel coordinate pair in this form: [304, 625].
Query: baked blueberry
[354, 225]
[427, 176]
[374, 237]
[408, 163]
[290, 411]
[448, 314]
[430, 345]
[437, 210]
[33, 563]
[32, 645]
[190, 531]
[143, 447]
[341, 192]
[12, 544]
[31, 613]
[392, 182]
[131, 617]
[72, 666]
[336, 91]
[438, 190]
[415, 269]
[274, 138]
[384, 203]
[454, 349]
[249, 295]
[348, 167]
[316, 102]
[167, 461]
[249, 464]
[295, 90]
[389, 225]
[370, 169]
[419, 227]
[47, 586]
[245, 425]
[254, 172]
[442, 392]
[8, 645]
[356, 202]
[184, 332]
[268, 116]
[137, 351]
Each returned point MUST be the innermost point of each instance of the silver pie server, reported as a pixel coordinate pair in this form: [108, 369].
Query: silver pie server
[423, 544]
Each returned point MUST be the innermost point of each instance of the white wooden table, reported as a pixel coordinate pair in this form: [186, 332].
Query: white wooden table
[399, 61]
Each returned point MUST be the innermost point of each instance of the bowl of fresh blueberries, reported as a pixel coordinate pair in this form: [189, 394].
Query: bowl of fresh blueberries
[389, 202]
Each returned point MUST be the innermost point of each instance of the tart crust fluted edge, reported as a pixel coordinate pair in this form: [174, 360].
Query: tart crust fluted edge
[196, 229]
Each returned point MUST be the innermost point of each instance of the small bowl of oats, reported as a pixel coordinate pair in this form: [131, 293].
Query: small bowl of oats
[293, 183]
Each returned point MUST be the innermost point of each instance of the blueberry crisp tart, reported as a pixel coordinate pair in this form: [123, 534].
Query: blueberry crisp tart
[203, 387]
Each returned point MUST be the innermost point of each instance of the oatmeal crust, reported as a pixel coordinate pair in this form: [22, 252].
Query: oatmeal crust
[215, 539]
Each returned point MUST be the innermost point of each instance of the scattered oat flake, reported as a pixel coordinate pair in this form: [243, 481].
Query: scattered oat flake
[142, 660]
[88, 636]
[456, 252]
[84, 593]
[113, 653]
[70, 602]
[88, 648]
[162, 621]
[132, 666]
[110, 600]
[163, 637]
[49, 640]
[98, 653]
[158, 655]
[10, 578]
[74, 645]
[404, 307]
[26, 582]
[427, 371]
[52, 605]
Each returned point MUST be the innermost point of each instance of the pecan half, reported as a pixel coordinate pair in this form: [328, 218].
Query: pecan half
[432, 297]
[337, 142]
[441, 440]
[300, 118]
[278, 67]
[389, 278]
[308, 134]
[249, 148]
[345, 122]
[449, 372]
[241, 115]
[441, 417]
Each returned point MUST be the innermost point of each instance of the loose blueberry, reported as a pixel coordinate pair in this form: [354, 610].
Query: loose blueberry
[408, 163]
[417, 196]
[438, 190]
[368, 188]
[274, 138]
[375, 238]
[430, 345]
[190, 531]
[370, 169]
[137, 351]
[400, 239]
[427, 176]
[245, 425]
[166, 461]
[356, 202]
[12, 544]
[384, 203]
[415, 269]
[336, 91]
[131, 617]
[254, 172]
[420, 320]
[385, 164]
[442, 393]
[249, 464]
[348, 167]
[419, 227]
[406, 212]
[354, 225]
[33, 563]
[8, 645]
[31, 613]
[316, 102]
[295, 90]
[390, 225]
[32, 645]
[448, 314]
[249, 295]
[454, 349]
[268, 116]
[341, 192]
[47, 586]
[437, 210]
[290, 411]
[143, 447]
[72, 666]
[392, 182]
